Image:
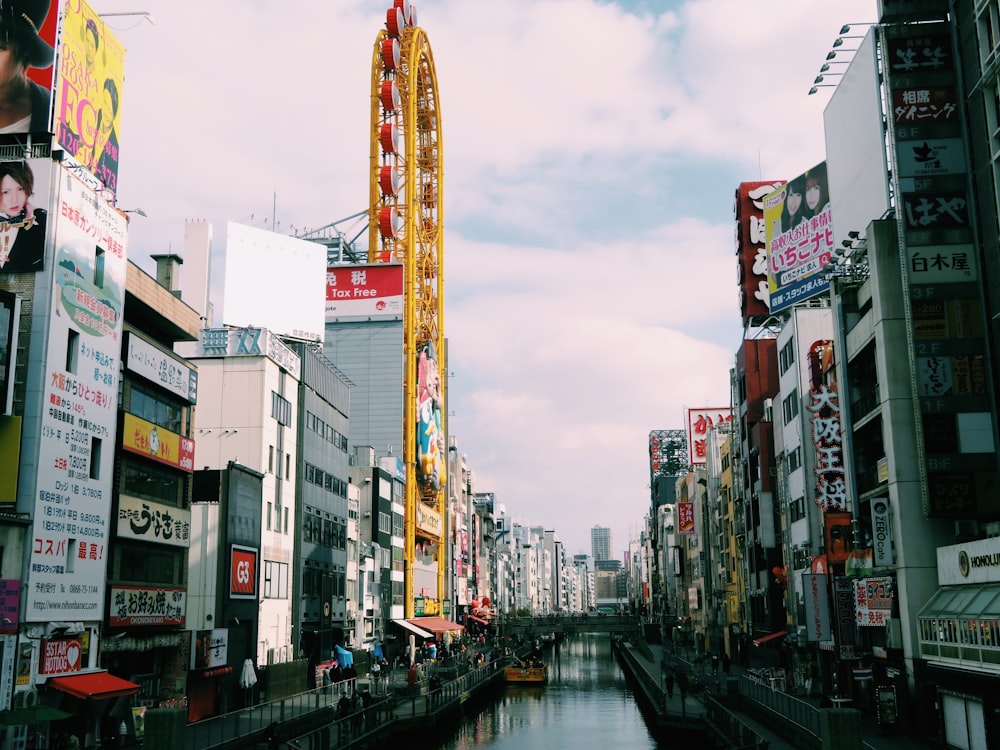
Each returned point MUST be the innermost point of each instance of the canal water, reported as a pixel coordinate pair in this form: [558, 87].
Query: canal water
[586, 704]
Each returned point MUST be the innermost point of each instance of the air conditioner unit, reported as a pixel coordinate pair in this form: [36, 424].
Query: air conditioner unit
[25, 698]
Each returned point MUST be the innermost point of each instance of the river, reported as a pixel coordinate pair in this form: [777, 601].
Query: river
[586, 704]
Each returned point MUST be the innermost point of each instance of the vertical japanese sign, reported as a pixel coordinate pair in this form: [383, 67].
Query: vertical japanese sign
[88, 92]
[699, 423]
[751, 248]
[66, 574]
[799, 227]
[685, 518]
[953, 409]
[817, 606]
[824, 405]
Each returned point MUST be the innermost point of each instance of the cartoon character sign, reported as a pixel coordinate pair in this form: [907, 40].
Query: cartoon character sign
[430, 434]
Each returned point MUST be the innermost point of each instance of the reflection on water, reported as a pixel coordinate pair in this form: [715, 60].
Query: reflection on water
[586, 704]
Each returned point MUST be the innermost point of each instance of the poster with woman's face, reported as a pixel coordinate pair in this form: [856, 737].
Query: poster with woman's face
[430, 432]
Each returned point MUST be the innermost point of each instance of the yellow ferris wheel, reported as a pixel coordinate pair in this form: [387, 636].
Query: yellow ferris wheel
[405, 223]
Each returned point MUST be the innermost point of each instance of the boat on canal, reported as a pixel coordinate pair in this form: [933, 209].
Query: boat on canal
[526, 673]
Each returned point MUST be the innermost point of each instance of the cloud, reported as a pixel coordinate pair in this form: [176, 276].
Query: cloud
[591, 154]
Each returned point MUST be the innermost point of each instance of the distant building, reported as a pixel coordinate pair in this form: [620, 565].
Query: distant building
[602, 543]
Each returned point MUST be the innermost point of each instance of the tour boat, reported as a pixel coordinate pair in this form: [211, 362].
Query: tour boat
[525, 674]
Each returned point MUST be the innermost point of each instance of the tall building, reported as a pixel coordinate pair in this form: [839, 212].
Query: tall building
[602, 543]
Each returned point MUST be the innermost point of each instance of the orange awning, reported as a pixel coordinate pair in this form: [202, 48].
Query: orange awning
[94, 686]
[770, 637]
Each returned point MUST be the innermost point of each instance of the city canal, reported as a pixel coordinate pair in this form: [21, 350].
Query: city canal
[586, 704]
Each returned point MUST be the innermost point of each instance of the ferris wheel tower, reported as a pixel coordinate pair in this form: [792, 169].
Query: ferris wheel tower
[406, 226]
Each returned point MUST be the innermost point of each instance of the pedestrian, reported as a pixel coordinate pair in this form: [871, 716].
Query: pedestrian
[670, 684]
[726, 664]
[682, 684]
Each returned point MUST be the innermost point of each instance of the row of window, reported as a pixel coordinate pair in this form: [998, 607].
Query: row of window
[281, 409]
[326, 532]
[966, 632]
[786, 357]
[325, 431]
[790, 406]
[312, 582]
[326, 480]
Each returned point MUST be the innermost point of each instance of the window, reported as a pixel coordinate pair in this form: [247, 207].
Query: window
[270, 459]
[794, 459]
[99, 267]
[149, 481]
[790, 406]
[269, 516]
[786, 357]
[797, 509]
[153, 406]
[95, 457]
[281, 409]
[275, 580]
[72, 350]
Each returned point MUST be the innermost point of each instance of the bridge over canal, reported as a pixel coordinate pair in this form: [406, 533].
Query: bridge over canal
[571, 624]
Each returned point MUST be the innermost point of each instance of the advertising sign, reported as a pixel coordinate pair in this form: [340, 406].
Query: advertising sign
[883, 553]
[157, 366]
[10, 313]
[10, 605]
[969, 562]
[88, 92]
[873, 601]
[431, 454]
[243, 573]
[429, 520]
[838, 536]
[699, 423]
[138, 605]
[367, 291]
[211, 648]
[149, 521]
[25, 215]
[943, 293]
[799, 226]
[817, 605]
[61, 656]
[751, 248]
[151, 441]
[69, 542]
[685, 518]
[38, 22]
[843, 600]
[831, 486]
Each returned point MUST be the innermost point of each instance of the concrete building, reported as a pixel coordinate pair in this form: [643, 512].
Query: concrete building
[602, 543]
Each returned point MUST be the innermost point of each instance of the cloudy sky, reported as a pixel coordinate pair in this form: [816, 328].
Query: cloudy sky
[592, 150]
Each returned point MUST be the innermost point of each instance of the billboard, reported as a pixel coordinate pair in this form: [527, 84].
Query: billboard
[69, 540]
[699, 423]
[367, 292]
[10, 312]
[751, 248]
[31, 26]
[23, 220]
[799, 227]
[430, 430]
[88, 92]
[263, 266]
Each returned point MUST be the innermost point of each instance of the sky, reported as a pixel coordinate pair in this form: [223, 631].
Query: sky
[592, 151]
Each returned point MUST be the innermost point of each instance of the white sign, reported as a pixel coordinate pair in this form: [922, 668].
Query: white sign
[153, 522]
[817, 605]
[158, 367]
[970, 562]
[69, 539]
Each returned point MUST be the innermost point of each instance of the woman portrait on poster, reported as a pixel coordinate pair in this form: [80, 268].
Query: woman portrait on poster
[24, 105]
[793, 212]
[817, 193]
[22, 226]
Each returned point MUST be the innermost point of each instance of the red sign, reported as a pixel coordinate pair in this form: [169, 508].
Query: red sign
[685, 518]
[699, 423]
[243, 573]
[751, 248]
[59, 657]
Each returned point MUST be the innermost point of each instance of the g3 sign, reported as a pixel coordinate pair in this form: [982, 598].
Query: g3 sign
[243, 573]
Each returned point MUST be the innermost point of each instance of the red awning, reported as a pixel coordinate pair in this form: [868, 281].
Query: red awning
[216, 671]
[478, 619]
[437, 625]
[770, 637]
[93, 686]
